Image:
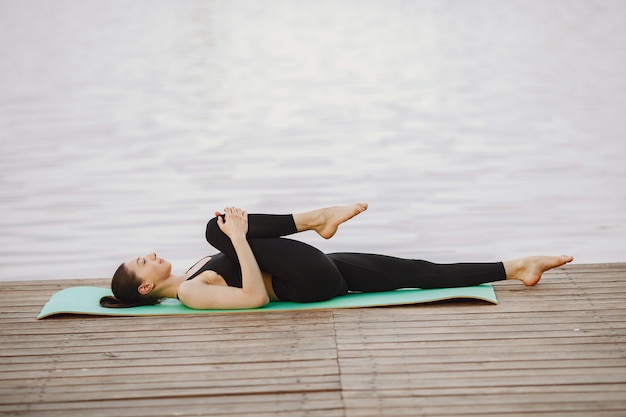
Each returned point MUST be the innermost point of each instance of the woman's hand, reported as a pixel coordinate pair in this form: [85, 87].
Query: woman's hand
[252, 294]
[235, 223]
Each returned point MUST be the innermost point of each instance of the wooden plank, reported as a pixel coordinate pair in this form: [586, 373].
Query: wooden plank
[279, 404]
[479, 400]
[469, 390]
[263, 386]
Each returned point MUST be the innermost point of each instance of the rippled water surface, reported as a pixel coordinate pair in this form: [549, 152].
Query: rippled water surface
[476, 130]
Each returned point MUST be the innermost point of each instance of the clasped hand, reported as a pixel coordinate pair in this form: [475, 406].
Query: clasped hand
[235, 223]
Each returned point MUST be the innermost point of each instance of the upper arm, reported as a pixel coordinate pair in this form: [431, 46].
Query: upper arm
[203, 296]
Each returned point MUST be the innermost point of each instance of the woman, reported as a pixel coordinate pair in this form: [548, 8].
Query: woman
[258, 264]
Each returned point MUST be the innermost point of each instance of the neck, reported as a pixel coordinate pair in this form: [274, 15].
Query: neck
[169, 289]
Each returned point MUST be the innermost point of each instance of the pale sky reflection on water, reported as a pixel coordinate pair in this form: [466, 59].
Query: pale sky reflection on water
[476, 130]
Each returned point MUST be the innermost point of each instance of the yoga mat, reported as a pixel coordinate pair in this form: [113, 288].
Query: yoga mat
[85, 300]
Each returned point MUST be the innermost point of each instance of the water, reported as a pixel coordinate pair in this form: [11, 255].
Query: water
[476, 130]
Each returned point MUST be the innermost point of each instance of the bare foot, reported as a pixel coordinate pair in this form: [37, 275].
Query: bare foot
[529, 269]
[334, 216]
[326, 221]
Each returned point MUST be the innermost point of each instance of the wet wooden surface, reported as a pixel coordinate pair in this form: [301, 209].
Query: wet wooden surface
[554, 349]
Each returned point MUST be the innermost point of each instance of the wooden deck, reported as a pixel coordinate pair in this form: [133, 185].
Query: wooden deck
[554, 349]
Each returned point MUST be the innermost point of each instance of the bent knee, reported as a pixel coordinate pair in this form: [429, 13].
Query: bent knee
[213, 231]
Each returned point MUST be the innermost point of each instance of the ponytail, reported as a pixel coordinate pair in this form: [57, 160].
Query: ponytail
[124, 286]
[109, 301]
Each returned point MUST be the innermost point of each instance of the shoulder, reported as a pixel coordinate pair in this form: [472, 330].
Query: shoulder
[191, 286]
[187, 291]
[203, 278]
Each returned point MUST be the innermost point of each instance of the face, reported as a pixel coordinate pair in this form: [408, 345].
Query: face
[150, 268]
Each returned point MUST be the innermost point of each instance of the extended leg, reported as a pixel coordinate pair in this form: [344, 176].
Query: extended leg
[371, 272]
[368, 273]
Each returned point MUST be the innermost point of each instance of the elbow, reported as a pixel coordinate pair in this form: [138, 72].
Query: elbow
[261, 301]
[255, 299]
[264, 301]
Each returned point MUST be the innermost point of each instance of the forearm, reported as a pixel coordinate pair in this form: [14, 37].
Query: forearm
[251, 277]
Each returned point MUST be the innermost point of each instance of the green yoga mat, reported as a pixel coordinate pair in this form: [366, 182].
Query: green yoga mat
[85, 300]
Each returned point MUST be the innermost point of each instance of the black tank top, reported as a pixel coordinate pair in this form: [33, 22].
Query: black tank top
[224, 266]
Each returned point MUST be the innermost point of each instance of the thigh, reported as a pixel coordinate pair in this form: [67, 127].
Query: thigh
[300, 272]
[368, 272]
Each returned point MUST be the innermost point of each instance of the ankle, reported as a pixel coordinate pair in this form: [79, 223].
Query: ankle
[310, 220]
[513, 269]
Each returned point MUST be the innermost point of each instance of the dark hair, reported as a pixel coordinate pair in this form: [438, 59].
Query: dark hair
[125, 294]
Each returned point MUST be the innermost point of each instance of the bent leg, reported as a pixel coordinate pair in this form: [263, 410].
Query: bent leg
[326, 221]
[299, 271]
[372, 273]
[259, 226]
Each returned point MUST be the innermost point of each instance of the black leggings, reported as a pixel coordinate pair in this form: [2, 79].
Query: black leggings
[303, 273]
